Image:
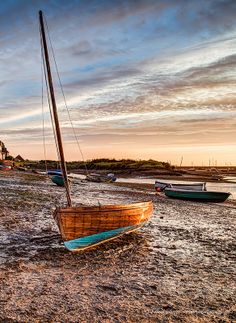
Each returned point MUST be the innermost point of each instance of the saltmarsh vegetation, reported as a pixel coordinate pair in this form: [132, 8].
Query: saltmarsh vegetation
[104, 164]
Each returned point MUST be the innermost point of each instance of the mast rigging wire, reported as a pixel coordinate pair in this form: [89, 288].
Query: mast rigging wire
[42, 102]
[49, 103]
[54, 107]
[64, 98]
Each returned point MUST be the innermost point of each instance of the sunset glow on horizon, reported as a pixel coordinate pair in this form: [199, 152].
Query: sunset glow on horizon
[143, 79]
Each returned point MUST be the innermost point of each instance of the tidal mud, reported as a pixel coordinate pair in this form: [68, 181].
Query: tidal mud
[180, 267]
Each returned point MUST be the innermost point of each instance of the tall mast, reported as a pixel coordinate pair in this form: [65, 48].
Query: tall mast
[54, 109]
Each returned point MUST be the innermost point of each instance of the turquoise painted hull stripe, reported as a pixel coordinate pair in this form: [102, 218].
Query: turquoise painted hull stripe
[95, 238]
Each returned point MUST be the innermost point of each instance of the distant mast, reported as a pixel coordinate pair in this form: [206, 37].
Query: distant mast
[54, 109]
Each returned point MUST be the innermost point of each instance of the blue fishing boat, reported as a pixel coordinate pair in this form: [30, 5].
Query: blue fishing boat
[200, 196]
[56, 179]
[54, 172]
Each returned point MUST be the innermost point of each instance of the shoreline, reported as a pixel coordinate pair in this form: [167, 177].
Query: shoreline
[165, 176]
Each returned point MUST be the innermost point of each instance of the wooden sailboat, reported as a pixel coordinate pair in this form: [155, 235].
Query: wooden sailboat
[83, 227]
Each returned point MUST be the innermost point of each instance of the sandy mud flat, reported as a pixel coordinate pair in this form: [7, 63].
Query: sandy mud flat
[180, 267]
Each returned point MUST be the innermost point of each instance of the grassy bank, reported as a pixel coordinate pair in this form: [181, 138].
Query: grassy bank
[104, 164]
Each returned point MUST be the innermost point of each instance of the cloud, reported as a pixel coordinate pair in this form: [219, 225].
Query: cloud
[138, 70]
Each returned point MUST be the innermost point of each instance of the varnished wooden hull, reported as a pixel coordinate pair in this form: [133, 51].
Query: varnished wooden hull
[84, 227]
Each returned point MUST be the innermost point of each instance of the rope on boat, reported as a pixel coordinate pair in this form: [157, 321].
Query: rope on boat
[64, 98]
[43, 76]
[50, 108]
[43, 121]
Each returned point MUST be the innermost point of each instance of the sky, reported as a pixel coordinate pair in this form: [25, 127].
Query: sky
[142, 79]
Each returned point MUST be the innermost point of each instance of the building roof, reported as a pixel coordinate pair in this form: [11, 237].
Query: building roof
[19, 158]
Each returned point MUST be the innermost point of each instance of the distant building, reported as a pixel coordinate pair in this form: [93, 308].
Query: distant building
[18, 158]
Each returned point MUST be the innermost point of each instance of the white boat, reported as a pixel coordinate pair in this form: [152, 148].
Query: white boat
[161, 186]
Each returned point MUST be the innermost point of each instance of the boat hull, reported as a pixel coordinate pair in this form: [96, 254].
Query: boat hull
[161, 186]
[54, 172]
[100, 178]
[84, 227]
[57, 179]
[201, 196]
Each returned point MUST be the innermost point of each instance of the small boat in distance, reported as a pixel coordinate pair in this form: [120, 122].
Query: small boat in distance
[100, 178]
[58, 179]
[199, 196]
[88, 226]
[54, 172]
[56, 176]
[161, 186]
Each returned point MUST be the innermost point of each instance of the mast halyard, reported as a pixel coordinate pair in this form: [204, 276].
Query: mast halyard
[54, 109]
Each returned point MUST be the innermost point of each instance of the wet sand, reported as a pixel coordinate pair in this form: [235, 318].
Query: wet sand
[180, 267]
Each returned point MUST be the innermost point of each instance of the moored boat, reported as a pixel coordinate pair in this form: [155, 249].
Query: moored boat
[83, 227]
[201, 196]
[161, 186]
[57, 179]
[54, 172]
[100, 178]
